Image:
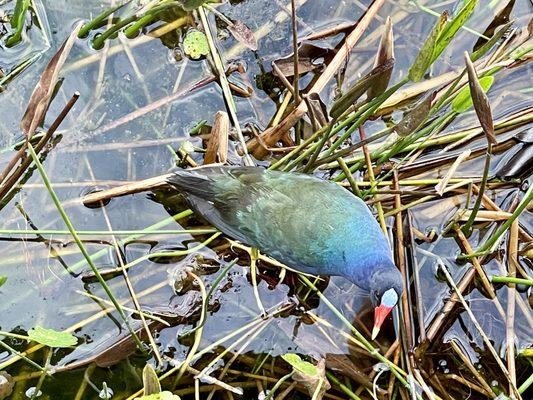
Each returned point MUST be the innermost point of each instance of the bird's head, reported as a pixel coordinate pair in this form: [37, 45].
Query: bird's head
[386, 287]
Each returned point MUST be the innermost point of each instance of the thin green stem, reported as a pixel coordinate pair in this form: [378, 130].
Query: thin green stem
[467, 228]
[81, 246]
[509, 279]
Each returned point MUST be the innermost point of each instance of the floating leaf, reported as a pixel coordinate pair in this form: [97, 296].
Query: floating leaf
[480, 101]
[424, 59]
[3, 279]
[44, 90]
[384, 55]
[160, 396]
[300, 365]
[359, 88]
[51, 337]
[451, 28]
[195, 44]
[310, 58]
[416, 116]
[463, 101]
[151, 383]
[243, 34]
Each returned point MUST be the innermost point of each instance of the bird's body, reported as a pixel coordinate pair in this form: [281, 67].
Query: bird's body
[304, 222]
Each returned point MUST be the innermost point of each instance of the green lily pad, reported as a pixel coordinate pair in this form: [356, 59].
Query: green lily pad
[195, 44]
[51, 337]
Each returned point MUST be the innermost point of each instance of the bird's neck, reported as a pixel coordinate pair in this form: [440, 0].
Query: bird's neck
[367, 268]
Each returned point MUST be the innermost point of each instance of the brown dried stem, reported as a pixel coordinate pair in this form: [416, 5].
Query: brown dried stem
[273, 134]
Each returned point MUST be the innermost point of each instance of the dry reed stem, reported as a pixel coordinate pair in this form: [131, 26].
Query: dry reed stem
[512, 259]
[129, 188]
[273, 134]
[475, 262]
[217, 146]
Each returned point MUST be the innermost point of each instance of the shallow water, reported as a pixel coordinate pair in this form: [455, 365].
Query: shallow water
[99, 149]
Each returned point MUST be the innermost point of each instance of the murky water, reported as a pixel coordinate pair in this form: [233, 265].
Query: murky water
[104, 142]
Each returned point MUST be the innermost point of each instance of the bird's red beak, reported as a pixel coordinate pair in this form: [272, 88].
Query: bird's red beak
[380, 313]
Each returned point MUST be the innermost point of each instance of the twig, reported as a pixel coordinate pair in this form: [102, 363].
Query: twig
[475, 262]
[272, 135]
[13, 178]
[295, 84]
[464, 358]
[129, 188]
[512, 260]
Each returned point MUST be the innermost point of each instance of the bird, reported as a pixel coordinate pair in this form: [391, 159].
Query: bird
[309, 224]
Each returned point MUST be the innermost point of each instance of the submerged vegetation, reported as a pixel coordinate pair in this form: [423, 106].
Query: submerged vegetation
[422, 110]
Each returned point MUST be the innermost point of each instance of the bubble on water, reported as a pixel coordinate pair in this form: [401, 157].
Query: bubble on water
[127, 77]
[33, 392]
[443, 363]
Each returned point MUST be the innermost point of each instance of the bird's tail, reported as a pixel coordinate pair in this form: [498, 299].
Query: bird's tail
[194, 182]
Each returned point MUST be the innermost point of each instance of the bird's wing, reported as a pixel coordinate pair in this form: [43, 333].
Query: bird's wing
[288, 216]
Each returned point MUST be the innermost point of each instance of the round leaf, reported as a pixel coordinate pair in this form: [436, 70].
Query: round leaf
[51, 337]
[195, 44]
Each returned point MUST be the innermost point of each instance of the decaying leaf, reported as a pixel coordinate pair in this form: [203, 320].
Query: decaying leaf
[425, 56]
[480, 101]
[243, 34]
[3, 279]
[359, 88]
[501, 18]
[463, 101]
[312, 377]
[310, 57]
[42, 94]
[195, 44]
[51, 337]
[317, 110]
[151, 383]
[416, 116]
[217, 146]
[384, 55]
[6, 385]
